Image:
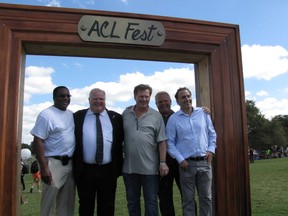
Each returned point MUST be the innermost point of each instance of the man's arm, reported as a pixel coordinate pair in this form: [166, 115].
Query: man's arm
[212, 136]
[163, 168]
[45, 171]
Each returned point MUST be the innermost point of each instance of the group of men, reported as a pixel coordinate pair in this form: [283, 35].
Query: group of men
[86, 148]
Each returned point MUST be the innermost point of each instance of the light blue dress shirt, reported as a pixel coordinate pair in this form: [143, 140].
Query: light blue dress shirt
[190, 135]
[90, 136]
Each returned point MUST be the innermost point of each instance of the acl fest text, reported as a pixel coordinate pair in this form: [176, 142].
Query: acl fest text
[121, 30]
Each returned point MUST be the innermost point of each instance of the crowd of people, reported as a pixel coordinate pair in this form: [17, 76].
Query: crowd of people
[274, 152]
[89, 149]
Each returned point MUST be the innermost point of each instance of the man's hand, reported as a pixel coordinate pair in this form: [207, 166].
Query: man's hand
[206, 109]
[184, 165]
[209, 156]
[46, 176]
[163, 169]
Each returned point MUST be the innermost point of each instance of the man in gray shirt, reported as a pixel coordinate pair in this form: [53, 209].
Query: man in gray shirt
[144, 152]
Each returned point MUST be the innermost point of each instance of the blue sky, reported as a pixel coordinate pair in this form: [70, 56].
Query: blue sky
[264, 44]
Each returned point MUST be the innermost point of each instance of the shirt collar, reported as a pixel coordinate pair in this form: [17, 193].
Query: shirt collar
[195, 111]
[104, 113]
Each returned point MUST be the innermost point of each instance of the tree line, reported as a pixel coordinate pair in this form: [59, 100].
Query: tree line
[264, 134]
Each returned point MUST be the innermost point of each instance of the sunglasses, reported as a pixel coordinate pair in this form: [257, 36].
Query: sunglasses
[64, 95]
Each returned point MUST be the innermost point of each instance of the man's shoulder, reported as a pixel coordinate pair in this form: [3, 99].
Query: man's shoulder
[177, 113]
[154, 111]
[80, 112]
[174, 117]
[52, 110]
[46, 110]
[47, 113]
[127, 110]
[113, 113]
[199, 111]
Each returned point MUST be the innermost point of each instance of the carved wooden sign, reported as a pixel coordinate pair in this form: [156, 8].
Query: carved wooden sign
[121, 30]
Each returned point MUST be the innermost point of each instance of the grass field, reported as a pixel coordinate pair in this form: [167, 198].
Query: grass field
[269, 187]
[269, 191]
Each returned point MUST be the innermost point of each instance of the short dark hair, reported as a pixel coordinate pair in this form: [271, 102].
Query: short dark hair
[142, 87]
[55, 91]
[182, 89]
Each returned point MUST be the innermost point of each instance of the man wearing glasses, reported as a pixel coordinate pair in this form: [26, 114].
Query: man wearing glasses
[54, 144]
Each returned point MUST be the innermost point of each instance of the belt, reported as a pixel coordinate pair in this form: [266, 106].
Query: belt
[64, 159]
[97, 165]
[196, 158]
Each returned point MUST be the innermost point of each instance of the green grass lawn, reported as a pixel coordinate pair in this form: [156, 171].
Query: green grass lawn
[32, 207]
[269, 191]
[269, 187]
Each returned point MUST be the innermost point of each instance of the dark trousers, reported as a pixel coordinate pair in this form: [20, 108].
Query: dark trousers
[96, 182]
[165, 192]
[23, 182]
[134, 184]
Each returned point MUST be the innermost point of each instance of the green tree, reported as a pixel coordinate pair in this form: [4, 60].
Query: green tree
[258, 127]
[262, 133]
[279, 129]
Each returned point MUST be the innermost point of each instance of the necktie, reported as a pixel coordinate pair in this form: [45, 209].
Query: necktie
[99, 140]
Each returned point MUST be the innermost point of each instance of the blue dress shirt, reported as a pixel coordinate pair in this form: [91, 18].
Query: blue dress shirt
[190, 135]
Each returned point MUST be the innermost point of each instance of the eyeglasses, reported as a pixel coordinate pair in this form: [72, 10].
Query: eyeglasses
[65, 95]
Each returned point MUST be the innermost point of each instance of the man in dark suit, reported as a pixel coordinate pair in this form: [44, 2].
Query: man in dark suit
[165, 192]
[97, 180]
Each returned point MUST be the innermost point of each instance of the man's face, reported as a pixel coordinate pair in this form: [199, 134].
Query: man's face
[142, 98]
[97, 101]
[184, 99]
[62, 99]
[163, 104]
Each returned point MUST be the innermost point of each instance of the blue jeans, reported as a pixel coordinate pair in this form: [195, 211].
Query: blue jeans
[198, 176]
[133, 184]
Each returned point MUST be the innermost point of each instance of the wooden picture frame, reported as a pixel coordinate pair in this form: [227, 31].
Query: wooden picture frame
[214, 49]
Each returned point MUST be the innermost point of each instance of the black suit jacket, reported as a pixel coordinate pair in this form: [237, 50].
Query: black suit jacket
[117, 149]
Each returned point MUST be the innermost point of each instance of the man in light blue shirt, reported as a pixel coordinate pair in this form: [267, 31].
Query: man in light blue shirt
[192, 141]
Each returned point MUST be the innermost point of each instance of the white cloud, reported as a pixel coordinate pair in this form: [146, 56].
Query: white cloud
[122, 91]
[247, 94]
[29, 117]
[271, 107]
[78, 65]
[38, 80]
[84, 3]
[262, 93]
[53, 3]
[264, 62]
